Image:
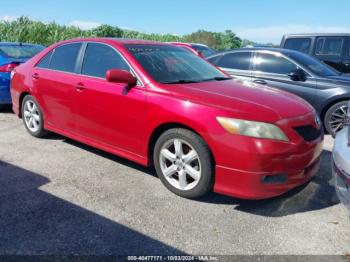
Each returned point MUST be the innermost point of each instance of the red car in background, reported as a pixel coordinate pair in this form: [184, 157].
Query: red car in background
[158, 104]
[198, 49]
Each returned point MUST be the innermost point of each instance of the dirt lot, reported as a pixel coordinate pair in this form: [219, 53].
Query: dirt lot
[61, 197]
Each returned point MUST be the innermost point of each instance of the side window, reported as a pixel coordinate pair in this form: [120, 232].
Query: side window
[45, 61]
[329, 46]
[238, 60]
[99, 58]
[214, 60]
[299, 44]
[64, 57]
[270, 63]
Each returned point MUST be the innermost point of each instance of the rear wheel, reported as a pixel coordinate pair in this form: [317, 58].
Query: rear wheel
[336, 117]
[183, 163]
[32, 117]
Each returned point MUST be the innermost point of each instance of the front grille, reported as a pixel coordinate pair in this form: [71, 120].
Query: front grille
[309, 133]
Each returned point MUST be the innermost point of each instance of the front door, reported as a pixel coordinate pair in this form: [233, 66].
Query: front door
[108, 113]
[272, 70]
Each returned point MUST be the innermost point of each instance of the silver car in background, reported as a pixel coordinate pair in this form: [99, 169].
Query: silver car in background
[341, 164]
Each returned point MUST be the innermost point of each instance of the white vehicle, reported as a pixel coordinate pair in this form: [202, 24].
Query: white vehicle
[341, 164]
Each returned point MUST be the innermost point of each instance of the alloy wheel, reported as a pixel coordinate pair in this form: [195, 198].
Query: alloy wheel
[338, 118]
[180, 164]
[32, 117]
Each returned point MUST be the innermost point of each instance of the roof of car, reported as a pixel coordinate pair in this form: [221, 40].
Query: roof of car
[273, 49]
[135, 41]
[317, 34]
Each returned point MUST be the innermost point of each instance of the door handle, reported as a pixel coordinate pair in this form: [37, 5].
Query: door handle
[260, 82]
[35, 76]
[80, 87]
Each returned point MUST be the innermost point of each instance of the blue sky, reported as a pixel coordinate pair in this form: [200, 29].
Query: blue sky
[261, 21]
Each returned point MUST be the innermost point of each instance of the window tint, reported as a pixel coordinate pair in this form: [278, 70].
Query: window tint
[239, 60]
[45, 62]
[214, 59]
[64, 57]
[99, 58]
[299, 44]
[20, 51]
[329, 46]
[270, 63]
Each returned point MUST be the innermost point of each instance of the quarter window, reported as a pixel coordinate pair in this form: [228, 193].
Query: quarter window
[100, 58]
[299, 44]
[45, 62]
[270, 63]
[238, 60]
[64, 58]
[329, 46]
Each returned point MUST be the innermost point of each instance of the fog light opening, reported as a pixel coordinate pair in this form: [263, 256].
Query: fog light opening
[274, 179]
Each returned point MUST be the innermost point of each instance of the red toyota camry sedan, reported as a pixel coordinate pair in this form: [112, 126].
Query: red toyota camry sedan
[159, 104]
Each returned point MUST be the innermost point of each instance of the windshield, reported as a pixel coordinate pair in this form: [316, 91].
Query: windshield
[313, 65]
[204, 50]
[20, 51]
[170, 64]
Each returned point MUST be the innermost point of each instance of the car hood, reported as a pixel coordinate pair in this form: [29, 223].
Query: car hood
[244, 100]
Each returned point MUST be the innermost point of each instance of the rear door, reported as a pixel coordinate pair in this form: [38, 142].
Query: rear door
[272, 69]
[331, 50]
[54, 81]
[236, 64]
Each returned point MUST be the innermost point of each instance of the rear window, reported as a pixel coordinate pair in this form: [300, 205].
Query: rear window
[204, 50]
[299, 44]
[20, 51]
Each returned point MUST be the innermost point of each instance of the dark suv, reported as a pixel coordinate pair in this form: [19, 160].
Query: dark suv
[332, 49]
[323, 87]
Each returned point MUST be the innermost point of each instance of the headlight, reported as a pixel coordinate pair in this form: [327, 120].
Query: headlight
[252, 128]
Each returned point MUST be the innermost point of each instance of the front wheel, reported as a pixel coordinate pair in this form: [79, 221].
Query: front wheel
[32, 117]
[336, 117]
[183, 163]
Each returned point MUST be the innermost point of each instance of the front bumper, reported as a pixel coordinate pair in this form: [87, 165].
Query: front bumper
[341, 167]
[245, 163]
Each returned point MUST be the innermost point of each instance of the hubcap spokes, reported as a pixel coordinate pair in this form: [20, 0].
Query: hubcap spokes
[31, 116]
[338, 119]
[180, 164]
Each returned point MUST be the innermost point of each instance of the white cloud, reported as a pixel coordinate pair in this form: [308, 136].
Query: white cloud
[273, 34]
[8, 18]
[84, 25]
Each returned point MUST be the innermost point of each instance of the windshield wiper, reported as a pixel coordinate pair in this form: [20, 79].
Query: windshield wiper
[181, 81]
[217, 78]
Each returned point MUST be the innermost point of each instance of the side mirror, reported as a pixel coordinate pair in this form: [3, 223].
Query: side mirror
[120, 76]
[297, 75]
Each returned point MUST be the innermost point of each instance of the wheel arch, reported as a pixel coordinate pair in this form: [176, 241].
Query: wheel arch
[160, 129]
[21, 97]
[331, 103]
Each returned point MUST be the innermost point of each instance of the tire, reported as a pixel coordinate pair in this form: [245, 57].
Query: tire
[32, 117]
[336, 113]
[190, 174]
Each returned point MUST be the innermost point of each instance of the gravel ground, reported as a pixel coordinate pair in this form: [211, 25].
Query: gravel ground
[61, 197]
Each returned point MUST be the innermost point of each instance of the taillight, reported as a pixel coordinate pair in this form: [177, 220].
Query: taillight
[8, 67]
